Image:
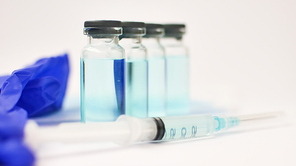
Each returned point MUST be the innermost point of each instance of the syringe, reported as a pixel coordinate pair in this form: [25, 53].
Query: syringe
[126, 130]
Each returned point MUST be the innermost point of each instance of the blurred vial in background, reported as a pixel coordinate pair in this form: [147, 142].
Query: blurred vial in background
[102, 66]
[156, 70]
[136, 69]
[177, 70]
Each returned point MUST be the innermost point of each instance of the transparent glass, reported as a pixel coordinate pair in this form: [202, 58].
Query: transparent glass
[136, 77]
[177, 77]
[156, 77]
[184, 127]
[102, 69]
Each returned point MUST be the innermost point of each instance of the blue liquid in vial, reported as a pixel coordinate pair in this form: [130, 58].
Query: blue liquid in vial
[102, 89]
[177, 85]
[137, 89]
[156, 87]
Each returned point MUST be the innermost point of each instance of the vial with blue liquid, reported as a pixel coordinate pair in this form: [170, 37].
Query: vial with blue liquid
[136, 69]
[156, 69]
[102, 72]
[177, 70]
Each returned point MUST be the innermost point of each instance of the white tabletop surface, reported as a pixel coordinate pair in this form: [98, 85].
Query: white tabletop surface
[242, 59]
[268, 144]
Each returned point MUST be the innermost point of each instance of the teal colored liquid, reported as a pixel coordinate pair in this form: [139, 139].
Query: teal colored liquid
[186, 127]
[156, 87]
[137, 89]
[102, 89]
[177, 85]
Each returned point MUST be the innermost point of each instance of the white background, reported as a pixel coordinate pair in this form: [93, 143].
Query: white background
[243, 58]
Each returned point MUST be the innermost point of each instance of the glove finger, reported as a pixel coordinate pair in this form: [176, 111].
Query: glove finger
[3, 79]
[14, 153]
[12, 123]
[57, 67]
[10, 93]
[39, 94]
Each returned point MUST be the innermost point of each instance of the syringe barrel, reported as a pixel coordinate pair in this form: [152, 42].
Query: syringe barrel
[184, 127]
[191, 126]
[128, 129]
[168, 128]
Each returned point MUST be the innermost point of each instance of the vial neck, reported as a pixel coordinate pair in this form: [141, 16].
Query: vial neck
[171, 41]
[102, 40]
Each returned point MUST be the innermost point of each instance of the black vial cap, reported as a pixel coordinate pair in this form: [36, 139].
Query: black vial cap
[154, 30]
[174, 30]
[101, 27]
[133, 29]
[102, 23]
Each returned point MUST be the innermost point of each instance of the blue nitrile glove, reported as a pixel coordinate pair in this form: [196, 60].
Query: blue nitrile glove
[34, 90]
[12, 151]
[15, 153]
[12, 123]
[39, 88]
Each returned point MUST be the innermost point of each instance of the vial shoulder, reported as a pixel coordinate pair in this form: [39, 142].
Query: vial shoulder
[176, 51]
[113, 51]
[135, 52]
[155, 51]
[133, 46]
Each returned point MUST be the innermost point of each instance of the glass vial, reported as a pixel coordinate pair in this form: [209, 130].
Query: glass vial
[136, 69]
[102, 69]
[177, 70]
[156, 70]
